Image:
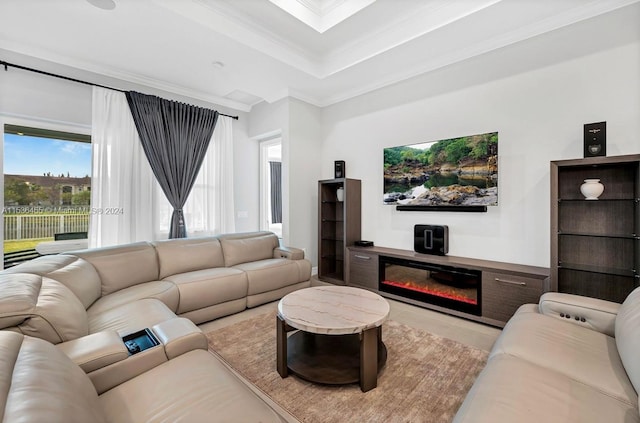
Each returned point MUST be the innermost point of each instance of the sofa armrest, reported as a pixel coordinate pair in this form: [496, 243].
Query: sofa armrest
[95, 351]
[290, 253]
[592, 313]
[180, 336]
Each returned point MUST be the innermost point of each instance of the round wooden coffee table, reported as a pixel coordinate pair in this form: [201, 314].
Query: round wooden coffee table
[338, 338]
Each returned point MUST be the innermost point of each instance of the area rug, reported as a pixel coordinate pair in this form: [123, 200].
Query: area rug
[425, 379]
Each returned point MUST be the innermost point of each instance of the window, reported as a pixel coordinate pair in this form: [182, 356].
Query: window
[46, 186]
[271, 186]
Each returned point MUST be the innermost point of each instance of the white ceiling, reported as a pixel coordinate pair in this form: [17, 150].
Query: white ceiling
[331, 50]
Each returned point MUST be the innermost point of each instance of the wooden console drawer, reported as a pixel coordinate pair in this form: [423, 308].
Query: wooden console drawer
[503, 293]
[363, 269]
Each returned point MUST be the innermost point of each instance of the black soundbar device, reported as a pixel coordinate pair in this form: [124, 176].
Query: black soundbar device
[443, 208]
[363, 243]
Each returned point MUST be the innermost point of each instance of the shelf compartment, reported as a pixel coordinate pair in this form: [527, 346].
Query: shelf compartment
[597, 252]
[334, 276]
[597, 217]
[603, 270]
[607, 287]
[618, 180]
[332, 211]
[331, 257]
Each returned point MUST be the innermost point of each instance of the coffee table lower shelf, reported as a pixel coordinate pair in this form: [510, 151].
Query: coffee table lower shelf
[328, 359]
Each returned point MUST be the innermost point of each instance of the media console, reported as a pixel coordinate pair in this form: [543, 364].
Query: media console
[481, 290]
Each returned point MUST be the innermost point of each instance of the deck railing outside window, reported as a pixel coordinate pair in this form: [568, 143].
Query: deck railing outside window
[35, 226]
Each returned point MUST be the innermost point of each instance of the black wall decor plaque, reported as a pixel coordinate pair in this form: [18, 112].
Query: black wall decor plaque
[595, 139]
[339, 169]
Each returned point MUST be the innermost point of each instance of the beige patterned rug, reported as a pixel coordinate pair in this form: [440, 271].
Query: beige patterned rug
[424, 381]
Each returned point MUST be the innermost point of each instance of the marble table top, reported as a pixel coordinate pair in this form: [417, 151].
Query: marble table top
[333, 310]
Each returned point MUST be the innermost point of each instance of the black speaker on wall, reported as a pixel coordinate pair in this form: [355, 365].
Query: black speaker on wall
[339, 169]
[431, 239]
[595, 139]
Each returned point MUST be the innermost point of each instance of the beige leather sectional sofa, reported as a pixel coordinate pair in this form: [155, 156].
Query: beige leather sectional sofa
[568, 359]
[63, 319]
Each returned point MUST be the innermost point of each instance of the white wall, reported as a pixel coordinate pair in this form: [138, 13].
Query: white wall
[24, 94]
[246, 177]
[298, 124]
[539, 113]
[304, 167]
[267, 121]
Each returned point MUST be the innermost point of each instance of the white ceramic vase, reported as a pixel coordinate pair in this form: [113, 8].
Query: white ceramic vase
[591, 189]
[340, 194]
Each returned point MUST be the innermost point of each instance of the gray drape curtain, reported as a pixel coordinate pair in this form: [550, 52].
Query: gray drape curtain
[276, 192]
[175, 137]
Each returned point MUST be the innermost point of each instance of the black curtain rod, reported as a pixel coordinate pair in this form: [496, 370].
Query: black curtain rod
[66, 78]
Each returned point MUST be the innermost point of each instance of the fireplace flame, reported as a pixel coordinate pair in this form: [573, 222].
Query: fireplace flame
[442, 292]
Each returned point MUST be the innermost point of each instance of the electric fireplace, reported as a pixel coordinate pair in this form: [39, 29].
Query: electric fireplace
[445, 286]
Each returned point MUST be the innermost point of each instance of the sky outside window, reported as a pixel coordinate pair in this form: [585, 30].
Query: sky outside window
[26, 155]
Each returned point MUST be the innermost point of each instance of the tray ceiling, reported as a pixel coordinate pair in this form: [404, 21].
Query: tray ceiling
[239, 52]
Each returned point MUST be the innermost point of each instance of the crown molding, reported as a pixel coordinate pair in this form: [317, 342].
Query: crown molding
[124, 76]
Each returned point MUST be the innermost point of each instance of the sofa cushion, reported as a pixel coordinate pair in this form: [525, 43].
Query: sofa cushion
[204, 288]
[189, 254]
[18, 298]
[165, 291]
[40, 384]
[275, 295]
[75, 273]
[194, 387]
[628, 336]
[247, 247]
[579, 353]
[130, 317]
[41, 307]
[510, 390]
[123, 266]
[268, 275]
[81, 278]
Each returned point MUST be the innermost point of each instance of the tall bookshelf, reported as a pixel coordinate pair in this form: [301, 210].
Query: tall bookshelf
[338, 226]
[595, 244]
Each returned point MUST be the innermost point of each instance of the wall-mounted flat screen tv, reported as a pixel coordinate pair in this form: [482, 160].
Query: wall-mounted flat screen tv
[457, 172]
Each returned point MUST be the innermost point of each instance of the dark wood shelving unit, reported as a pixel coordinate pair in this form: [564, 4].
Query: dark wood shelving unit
[595, 244]
[338, 226]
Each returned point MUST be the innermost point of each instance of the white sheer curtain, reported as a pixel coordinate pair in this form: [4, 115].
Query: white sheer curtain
[209, 210]
[127, 203]
[122, 183]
